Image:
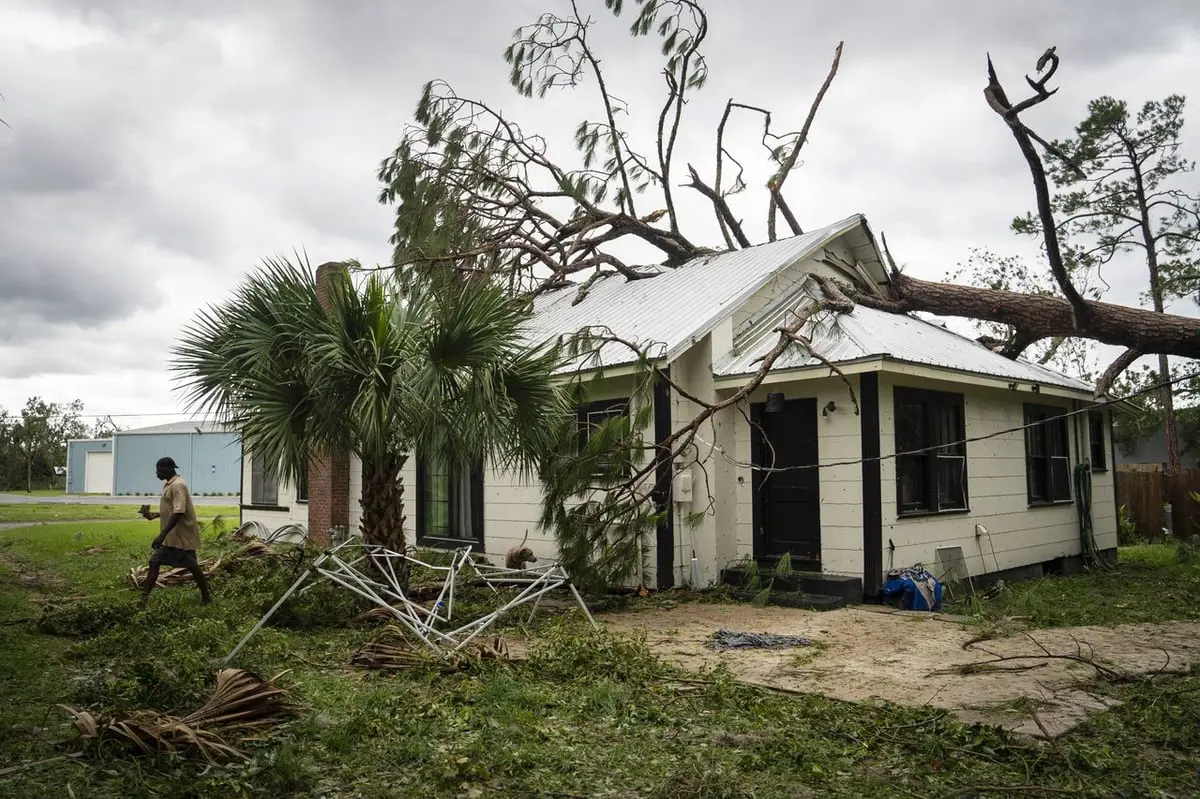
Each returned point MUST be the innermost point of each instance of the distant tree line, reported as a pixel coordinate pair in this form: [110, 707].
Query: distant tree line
[33, 442]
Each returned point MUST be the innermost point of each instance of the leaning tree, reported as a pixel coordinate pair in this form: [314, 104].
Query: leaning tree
[474, 192]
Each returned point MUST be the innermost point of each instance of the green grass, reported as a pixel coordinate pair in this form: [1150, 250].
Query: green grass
[1148, 584]
[590, 715]
[59, 512]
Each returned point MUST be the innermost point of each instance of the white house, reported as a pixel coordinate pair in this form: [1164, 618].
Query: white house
[926, 456]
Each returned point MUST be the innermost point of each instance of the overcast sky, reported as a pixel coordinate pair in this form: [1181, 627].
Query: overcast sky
[158, 151]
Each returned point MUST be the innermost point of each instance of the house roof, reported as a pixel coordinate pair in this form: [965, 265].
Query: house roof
[669, 311]
[866, 333]
[204, 426]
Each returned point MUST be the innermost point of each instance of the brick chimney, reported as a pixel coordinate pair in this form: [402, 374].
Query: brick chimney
[328, 477]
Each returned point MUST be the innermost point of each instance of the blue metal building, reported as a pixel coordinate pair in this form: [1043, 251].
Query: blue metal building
[209, 459]
[208, 455]
[89, 466]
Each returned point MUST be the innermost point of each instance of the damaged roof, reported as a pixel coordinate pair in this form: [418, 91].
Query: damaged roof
[677, 306]
[866, 333]
[674, 309]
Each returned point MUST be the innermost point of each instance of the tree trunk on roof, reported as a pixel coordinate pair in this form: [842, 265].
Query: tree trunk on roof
[1040, 316]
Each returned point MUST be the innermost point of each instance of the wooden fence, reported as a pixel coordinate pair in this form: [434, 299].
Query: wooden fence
[1143, 489]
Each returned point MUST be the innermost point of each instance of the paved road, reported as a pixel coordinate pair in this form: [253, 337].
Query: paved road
[64, 499]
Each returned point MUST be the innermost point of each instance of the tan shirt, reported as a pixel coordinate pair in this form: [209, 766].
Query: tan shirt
[177, 499]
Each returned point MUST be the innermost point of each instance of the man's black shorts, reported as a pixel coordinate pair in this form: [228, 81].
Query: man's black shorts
[174, 557]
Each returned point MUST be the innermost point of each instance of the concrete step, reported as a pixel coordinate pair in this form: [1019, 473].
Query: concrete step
[793, 599]
[848, 589]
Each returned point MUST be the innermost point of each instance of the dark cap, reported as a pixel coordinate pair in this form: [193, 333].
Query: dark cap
[167, 463]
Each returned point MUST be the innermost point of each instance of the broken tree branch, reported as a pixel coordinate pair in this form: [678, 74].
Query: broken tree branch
[1114, 370]
[998, 100]
[789, 162]
[720, 205]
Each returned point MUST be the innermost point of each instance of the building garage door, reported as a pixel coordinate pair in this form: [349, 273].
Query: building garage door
[98, 473]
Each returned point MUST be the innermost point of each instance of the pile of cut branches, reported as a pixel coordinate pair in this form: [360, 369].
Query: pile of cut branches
[241, 703]
[392, 651]
[210, 566]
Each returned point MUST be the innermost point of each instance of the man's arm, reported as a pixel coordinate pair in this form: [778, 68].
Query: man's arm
[146, 513]
[174, 520]
[178, 512]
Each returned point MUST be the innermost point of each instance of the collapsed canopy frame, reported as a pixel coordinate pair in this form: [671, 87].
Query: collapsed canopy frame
[381, 585]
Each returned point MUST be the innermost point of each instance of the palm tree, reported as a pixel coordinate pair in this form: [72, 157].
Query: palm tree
[442, 366]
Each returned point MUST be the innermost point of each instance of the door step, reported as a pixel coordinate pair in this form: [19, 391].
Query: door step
[793, 599]
[848, 589]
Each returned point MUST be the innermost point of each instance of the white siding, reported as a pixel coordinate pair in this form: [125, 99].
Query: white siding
[294, 512]
[785, 282]
[711, 537]
[355, 503]
[1020, 535]
[840, 485]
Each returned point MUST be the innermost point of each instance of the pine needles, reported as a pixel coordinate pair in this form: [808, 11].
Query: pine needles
[392, 651]
[241, 703]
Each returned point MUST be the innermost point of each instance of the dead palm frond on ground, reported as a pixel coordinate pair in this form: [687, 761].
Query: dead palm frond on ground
[242, 703]
[211, 566]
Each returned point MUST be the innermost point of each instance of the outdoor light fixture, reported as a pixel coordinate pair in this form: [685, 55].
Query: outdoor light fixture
[774, 402]
[829, 408]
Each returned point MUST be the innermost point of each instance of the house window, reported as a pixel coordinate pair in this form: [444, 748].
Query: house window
[449, 501]
[931, 459]
[591, 417]
[1047, 464]
[264, 484]
[302, 486]
[1096, 437]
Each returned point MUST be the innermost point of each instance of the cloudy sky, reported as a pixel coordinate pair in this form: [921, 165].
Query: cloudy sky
[158, 151]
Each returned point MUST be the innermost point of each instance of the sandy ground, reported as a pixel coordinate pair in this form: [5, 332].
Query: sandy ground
[920, 658]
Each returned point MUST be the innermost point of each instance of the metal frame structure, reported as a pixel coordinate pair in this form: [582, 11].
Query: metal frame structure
[381, 585]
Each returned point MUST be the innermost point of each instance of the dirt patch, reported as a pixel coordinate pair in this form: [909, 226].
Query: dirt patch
[21, 574]
[923, 659]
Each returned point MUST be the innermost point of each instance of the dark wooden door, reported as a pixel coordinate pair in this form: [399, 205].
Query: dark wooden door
[788, 503]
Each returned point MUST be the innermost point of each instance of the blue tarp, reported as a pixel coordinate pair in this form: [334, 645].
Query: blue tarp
[912, 589]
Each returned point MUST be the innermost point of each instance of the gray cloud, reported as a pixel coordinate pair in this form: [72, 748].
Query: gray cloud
[159, 150]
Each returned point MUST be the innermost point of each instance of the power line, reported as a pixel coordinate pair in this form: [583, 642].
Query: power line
[937, 447]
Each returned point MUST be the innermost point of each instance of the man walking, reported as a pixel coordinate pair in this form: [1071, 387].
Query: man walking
[179, 535]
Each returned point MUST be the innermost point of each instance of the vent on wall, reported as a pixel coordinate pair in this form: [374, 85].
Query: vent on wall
[951, 565]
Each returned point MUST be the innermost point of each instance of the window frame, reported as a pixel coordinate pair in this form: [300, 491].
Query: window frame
[930, 400]
[609, 408]
[302, 487]
[1096, 426]
[1050, 419]
[260, 474]
[451, 540]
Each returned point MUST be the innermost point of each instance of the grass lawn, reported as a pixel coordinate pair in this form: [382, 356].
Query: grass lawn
[589, 715]
[56, 512]
[1147, 584]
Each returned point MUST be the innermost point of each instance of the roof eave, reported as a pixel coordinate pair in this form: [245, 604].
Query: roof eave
[843, 227]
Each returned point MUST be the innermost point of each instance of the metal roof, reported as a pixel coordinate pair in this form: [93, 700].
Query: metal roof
[177, 427]
[866, 333]
[667, 312]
